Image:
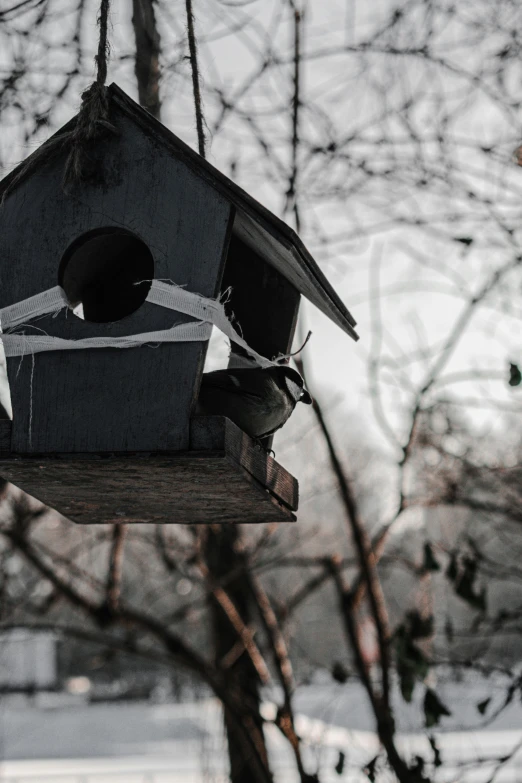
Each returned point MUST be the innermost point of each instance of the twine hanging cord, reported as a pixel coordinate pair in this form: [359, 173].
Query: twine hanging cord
[207, 312]
[92, 124]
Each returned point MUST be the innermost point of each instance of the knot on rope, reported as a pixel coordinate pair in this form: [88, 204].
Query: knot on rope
[92, 124]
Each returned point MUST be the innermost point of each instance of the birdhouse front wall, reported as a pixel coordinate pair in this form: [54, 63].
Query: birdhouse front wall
[111, 400]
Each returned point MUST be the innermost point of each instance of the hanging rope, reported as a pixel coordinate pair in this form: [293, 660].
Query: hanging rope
[193, 53]
[93, 118]
[92, 124]
[102, 57]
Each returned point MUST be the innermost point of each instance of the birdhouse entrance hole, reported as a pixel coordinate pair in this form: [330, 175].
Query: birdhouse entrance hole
[106, 274]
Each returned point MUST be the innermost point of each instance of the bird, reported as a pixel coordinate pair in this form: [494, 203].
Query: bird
[259, 400]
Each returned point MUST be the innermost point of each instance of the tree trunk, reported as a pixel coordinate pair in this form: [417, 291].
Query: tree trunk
[223, 555]
[146, 64]
[222, 551]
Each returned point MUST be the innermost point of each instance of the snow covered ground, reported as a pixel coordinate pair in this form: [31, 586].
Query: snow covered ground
[52, 742]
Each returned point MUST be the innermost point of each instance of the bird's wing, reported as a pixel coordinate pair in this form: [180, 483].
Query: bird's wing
[238, 382]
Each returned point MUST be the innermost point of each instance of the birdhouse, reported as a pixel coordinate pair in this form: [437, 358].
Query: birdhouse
[105, 433]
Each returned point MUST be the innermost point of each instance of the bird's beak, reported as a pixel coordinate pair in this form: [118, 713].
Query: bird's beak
[305, 397]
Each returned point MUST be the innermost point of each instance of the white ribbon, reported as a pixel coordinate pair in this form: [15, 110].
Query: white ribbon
[51, 301]
[206, 311]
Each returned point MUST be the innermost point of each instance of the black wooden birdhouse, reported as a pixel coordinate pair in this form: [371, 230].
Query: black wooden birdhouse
[104, 432]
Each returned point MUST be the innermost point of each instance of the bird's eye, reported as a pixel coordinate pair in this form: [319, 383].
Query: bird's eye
[305, 397]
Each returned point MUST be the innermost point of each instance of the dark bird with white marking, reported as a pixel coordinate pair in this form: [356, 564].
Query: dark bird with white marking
[258, 400]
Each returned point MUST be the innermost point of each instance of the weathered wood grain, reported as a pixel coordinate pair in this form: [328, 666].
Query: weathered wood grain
[242, 451]
[237, 483]
[6, 427]
[220, 434]
[208, 433]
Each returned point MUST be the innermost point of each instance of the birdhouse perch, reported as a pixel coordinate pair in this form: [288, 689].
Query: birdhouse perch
[107, 434]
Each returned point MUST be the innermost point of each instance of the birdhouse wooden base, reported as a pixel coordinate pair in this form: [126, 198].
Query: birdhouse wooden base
[225, 477]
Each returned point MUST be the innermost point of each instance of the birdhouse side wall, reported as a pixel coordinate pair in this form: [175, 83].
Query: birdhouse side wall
[263, 303]
[111, 400]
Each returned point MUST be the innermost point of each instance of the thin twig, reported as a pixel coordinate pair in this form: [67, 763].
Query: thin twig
[285, 719]
[291, 193]
[169, 562]
[304, 592]
[375, 351]
[245, 634]
[382, 710]
[198, 104]
[505, 760]
[365, 552]
[449, 347]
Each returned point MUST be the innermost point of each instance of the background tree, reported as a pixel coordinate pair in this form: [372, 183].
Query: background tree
[386, 136]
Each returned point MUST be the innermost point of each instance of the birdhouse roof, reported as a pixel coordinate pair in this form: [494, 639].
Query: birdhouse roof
[273, 240]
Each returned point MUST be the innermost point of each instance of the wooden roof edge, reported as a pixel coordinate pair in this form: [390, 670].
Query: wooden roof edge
[28, 166]
[269, 222]
[280, 230]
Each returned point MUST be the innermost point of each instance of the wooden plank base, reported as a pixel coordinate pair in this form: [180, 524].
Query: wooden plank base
[225, 478]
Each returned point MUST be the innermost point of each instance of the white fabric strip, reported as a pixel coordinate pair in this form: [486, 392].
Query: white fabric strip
[206, 311]
[51, 301]
[22, 344]
[175, 298]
